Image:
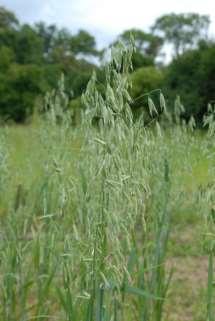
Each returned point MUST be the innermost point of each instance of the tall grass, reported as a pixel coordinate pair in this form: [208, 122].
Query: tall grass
[86, 221]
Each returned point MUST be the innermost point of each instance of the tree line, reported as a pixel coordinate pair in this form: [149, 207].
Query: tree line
[33, 57]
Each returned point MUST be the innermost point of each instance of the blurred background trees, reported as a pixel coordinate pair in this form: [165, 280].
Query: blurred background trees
[33, 57]
[147, 47]
[182, 31]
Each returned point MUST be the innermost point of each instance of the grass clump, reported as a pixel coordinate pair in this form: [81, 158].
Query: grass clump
[86, 216]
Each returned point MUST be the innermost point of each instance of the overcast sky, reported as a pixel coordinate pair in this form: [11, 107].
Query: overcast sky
[105, 19]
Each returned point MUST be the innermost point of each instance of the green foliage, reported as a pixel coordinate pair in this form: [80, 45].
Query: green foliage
[192, 77]
[32, 60]
[7, 57]
[48, 35]
[8, 19]
[183, 31]
[28, 46]
[147, 46]
[29, 82]
[146, 79]
[36, 56]
[83, 43]
[146, 82]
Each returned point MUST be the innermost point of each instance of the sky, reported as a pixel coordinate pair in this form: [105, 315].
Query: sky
[105, 19]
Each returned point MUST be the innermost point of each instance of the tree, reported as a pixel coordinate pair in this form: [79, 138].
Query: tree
[29, 46]
[32, 60]
[8, 19]
[83, 43]
[19, 89]
[147, 46]
[7, 57]
[145, 81]
[192, 77]
[48, 34]
[8, 27]
[183, 31]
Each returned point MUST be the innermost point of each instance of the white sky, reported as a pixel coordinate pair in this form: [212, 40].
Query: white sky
[105, 19]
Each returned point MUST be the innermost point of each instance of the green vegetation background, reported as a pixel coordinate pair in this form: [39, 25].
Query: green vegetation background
[33, 57]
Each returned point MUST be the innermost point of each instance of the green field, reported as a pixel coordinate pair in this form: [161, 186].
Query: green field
[107, 220]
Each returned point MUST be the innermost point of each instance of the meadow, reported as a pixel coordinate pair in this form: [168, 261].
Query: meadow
[112, 219]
